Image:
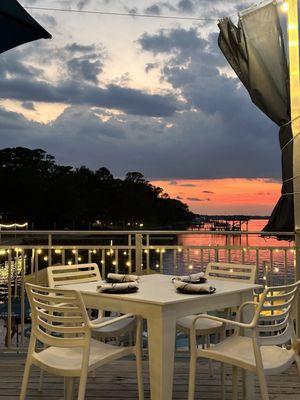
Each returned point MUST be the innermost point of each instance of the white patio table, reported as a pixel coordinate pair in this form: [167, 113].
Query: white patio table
[158, 302]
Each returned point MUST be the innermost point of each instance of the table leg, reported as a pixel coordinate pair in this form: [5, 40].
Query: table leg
[248, 377]
[161, 345]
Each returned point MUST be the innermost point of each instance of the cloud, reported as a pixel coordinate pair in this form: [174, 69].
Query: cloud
[77, 83]
[173, 183]
[188, 185]
[194, 199]
[179, 198]
[207, 191]
[28, 105]
[186, 6]
[150, 66]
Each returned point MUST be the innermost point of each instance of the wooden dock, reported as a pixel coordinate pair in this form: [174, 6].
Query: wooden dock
[117, 381]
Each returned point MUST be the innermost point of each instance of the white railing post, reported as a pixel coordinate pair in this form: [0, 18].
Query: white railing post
[138, 253]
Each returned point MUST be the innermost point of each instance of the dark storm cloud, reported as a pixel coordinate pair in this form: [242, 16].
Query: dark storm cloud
[86, 69]
[234, 133]
[130, 101]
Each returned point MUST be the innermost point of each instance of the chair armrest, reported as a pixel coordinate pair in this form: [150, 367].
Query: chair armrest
[224, 321]
[241, 308]
[109, 322]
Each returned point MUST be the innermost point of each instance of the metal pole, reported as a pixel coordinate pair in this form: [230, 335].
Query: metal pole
[293, 38]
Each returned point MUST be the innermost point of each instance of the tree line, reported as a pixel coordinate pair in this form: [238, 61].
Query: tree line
[36, 189]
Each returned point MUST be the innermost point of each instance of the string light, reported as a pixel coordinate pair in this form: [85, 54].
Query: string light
[8, 226]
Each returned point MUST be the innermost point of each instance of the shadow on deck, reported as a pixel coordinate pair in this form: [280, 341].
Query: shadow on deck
[117, 381]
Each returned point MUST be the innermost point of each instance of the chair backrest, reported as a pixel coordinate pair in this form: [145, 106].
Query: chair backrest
[70, 274]
[59, 317]
[275, 325]
[233, 272]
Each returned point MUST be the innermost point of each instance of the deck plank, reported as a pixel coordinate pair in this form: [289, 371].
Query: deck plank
[117, 381]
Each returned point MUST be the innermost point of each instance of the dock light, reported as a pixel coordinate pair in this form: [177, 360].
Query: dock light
[163, 251]
[39, 251]
[285, 6]
[128, 264]
[74, 251]
[79, 258]
[179, 250]
[264, 278]
[125, 253]
[276, 269]
[70, 263]
[197, 252]
[141, 225]
[57, 251]
[276, 250]
[191, 267]
[244, 249]
[108, 253]
[45, 258]
[102, 262]
[114, 263]
[157, 250]
[146, 251]
[157, 265]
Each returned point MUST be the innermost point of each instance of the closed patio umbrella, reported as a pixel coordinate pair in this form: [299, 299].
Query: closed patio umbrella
[17, 26]
[255, 50]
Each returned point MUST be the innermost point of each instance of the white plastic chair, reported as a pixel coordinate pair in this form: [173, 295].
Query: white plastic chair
[63, 275]
[263, 352]
[60, 322]
[206, 327]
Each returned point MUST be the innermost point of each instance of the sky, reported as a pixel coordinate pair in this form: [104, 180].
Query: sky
[143, 94]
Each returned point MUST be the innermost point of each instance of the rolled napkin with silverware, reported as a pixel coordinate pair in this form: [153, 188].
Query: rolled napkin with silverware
[126, 287]
[193, 288]
[121, 278]
[193, 278]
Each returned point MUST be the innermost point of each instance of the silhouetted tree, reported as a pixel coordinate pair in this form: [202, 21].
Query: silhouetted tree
[36, 189]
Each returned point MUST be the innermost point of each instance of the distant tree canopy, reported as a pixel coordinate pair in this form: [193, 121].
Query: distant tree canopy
[35, 189]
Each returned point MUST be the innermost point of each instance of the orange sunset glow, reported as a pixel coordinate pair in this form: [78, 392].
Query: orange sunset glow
[225, 196]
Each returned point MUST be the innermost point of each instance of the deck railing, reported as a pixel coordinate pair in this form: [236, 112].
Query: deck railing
[24, 255]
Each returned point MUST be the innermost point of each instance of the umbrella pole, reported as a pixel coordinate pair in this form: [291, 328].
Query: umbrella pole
[293, 41]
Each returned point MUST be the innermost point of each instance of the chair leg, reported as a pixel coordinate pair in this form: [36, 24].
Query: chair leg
[192, 378]
[223, 381]
[25, 380]
[139, 369]
[69, 388]
[41, 380]
[82, 385]
[234, 383]
[263, 385]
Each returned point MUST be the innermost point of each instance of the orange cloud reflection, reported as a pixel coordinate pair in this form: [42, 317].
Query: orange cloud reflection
[225, 196]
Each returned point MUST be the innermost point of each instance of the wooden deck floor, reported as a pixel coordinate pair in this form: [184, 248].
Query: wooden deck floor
[117, 381]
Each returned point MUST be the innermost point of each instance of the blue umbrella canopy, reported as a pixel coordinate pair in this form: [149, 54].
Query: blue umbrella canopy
[17, 26]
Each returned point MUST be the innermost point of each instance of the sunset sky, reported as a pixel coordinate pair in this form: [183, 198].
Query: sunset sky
[142, 94]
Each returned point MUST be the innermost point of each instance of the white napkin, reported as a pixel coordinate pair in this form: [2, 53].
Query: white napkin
[193, 288]
[191, 278]
[122, 278]
[116, 287]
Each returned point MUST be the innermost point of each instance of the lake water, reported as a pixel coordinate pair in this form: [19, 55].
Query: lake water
[281, 257]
